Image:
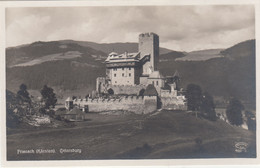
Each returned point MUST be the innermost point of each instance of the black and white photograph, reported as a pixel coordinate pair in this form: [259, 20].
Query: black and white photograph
[130, 82]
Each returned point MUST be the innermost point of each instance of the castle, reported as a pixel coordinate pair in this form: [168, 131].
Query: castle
[133, 82]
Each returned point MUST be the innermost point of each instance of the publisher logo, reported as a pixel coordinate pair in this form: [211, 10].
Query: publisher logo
[241, 147]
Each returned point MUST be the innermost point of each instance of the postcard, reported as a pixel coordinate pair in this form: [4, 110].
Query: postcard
[129, 82]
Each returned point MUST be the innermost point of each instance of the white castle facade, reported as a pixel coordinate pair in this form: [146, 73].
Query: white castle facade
[129, 75]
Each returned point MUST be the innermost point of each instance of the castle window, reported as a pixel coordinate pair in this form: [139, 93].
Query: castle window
[157, 83]
[153, 82]
[129, 68]
[115, 81]
[123, 68]
[123, 74]
[129, 74]
[114, 75]
[115, 69]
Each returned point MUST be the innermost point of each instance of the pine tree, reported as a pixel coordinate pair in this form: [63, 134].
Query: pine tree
[234, 112]
[194, 97]
[23, 94]
[208, 107]
[49, 97]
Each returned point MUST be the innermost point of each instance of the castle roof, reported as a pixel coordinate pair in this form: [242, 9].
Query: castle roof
[113, 54]
[155, 74]
[125, 57]
[176, 74]
[150, 91]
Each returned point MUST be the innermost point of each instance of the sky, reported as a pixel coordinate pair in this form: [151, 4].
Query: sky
[181, 28]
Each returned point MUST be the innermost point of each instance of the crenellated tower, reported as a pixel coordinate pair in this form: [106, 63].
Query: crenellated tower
[149, 45]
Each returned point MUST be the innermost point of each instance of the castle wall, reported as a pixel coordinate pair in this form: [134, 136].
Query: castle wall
[135, 104]
[177, 103]
[168, 93]
[150, 104]
[123, 89]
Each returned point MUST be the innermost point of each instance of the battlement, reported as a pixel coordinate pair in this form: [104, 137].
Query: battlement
[100, 100]
[133, 86]
[147, 34]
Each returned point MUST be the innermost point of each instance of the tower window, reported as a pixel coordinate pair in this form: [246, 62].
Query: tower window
[123, 68]
[114, 75]
[157, 83]
[129, 68]
[123, 74]
[115, 81]
[129, 74]
[115, 69]
[153, 82]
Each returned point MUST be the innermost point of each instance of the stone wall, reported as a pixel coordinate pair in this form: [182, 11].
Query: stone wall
[136, 104]
[150, 104]
[131, 103]
[177, 103]
[126, 89]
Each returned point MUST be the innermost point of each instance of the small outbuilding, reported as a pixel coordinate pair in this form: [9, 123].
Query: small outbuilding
[74, 115]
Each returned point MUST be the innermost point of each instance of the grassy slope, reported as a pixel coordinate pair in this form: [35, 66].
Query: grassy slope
[67, 74]
[201, 55]
[167, 135]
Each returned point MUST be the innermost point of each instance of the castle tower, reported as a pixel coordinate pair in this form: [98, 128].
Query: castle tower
[149, 45]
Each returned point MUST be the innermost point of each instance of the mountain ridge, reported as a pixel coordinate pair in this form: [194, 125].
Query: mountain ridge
[104, 47]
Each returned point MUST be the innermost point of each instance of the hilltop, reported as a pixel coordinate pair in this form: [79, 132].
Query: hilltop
[110, 47]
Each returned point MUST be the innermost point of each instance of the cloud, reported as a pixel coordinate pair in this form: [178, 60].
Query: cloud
[179, 27]
[22, 31]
